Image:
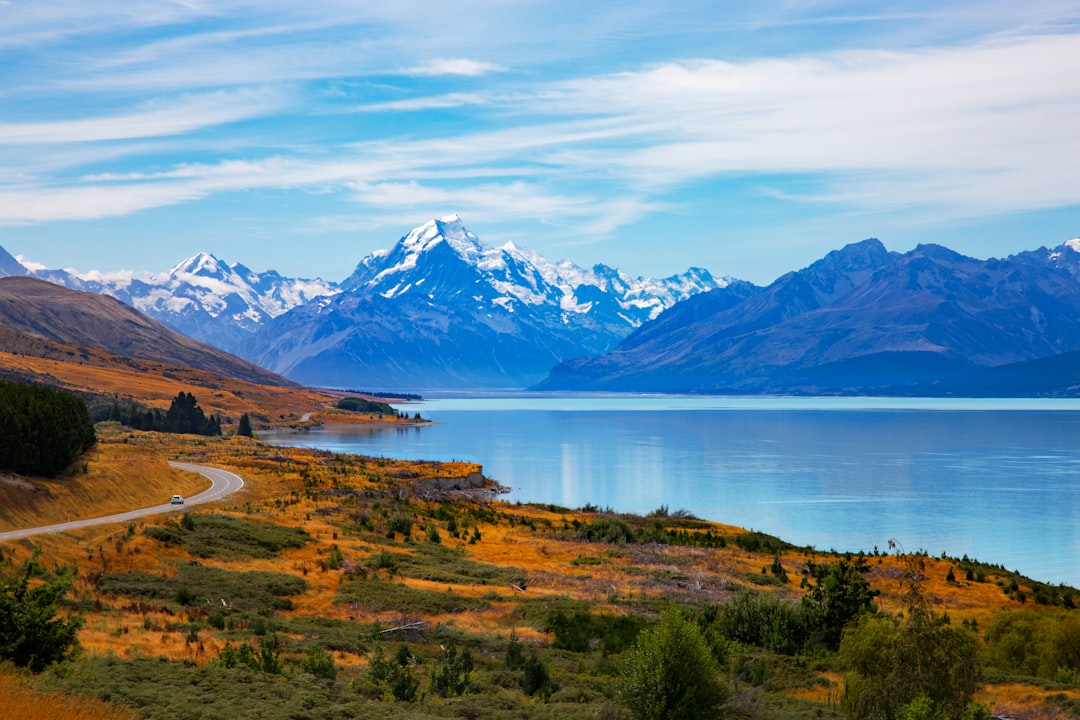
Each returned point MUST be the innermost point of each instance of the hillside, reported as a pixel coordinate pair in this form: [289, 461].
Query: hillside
[40, 309]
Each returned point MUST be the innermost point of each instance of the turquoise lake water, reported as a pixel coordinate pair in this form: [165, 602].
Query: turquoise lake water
[998, 480]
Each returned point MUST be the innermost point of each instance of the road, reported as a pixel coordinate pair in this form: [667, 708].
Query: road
[222, 483]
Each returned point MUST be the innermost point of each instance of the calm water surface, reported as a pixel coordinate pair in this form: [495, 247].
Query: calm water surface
[998, 480]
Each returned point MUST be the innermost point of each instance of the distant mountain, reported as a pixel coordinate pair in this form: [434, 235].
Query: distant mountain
[861, 320]
[29, 306]
[441, 309]
[10, 266]
[201, 297]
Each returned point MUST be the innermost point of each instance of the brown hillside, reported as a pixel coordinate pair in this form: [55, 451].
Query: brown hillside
[38, 308]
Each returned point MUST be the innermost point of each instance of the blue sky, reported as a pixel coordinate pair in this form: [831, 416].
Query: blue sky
[748, 138]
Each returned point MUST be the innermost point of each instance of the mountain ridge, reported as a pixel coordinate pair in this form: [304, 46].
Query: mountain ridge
[861, 320]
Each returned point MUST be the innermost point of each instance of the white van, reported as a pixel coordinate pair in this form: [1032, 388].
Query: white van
[177, 500]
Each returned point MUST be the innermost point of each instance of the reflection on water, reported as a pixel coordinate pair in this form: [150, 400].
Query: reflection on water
[998, 485]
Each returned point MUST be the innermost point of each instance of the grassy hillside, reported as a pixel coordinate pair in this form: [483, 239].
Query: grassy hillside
[356, 558]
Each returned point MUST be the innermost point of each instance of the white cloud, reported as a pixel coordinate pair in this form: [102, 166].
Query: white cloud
[454, 66]
[154, 119]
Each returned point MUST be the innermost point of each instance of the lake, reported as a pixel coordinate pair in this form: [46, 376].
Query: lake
[998, 480]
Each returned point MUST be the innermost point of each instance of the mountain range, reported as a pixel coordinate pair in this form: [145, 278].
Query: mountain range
[863, 320]
[438, 309]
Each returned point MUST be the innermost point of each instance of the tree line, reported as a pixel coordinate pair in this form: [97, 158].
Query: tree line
[42, 430]
[183, 416]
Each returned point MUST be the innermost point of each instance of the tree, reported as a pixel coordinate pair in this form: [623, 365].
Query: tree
[395, 675]
[450, 673]
[244, 428]
[31, 634]
[670, 674]
[535, 677]
[839, 595]
[42, 430]
[918, 668]
[185, 416]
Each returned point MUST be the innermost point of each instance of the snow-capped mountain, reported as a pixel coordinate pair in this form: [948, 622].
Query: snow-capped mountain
[424, 262]
[202, 297]
[442, 309]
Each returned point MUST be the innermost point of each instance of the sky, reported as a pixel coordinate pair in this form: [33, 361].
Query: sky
[746, 138]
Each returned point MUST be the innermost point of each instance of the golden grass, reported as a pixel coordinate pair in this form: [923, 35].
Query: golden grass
[21, 702]
[118, 478]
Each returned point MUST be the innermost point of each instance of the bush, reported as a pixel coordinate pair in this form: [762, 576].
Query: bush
[378, 596]
[320, 663]
[671, 674]
[535, 678]
[607, 530]
[764, 620]
[254, 590]
[31, 635]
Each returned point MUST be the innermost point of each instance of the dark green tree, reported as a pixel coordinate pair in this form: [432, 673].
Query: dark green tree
[244, 428]
[42, 430]
[670, 674]
[450, 673]
[396, 676]
[185, 416]
[838, 595]
[31, 633]
[535, 678]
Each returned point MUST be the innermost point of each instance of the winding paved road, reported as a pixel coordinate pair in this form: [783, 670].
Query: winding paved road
[222, 483]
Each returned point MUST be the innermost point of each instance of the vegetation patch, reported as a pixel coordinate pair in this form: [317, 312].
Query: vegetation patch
[438, 563]
[379, 596]
[360, 405]
[198, 585]
[209, 536]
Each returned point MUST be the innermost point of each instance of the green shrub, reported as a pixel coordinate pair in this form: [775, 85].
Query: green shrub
[535, 678]
[670, 673]
[396, 676]
[378, 596]
[254, 590]
[320, 663]
[764, 620]
[607, 530]
[31, 634]
[222, 536]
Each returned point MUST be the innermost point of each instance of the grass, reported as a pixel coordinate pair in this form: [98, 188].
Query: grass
[22, 702]
[117, 477]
